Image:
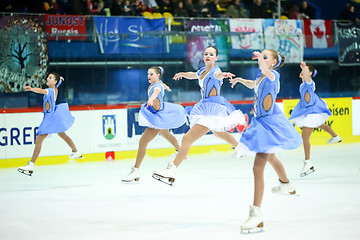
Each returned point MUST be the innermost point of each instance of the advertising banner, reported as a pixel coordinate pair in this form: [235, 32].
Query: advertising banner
[92, 132]
[121, 35]
[250, 33]
[341, 110]
[285, 37]
[202, 38]
[23, 57]
[65, 27]
[349, 44]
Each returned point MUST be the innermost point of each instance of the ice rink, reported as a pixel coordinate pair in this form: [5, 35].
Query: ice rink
[209, 200]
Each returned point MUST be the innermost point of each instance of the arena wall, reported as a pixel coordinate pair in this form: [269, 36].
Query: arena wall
[101, 131]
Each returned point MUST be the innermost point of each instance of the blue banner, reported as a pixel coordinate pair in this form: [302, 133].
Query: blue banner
[120, 35]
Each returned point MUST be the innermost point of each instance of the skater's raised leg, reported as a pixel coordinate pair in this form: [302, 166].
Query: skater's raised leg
[334, 137]
[285, 186]
[74, 154]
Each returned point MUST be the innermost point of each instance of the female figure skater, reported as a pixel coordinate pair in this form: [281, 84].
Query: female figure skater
[158, 116]
[213, 113]
[309, 113]
[57, 119]
[269, 132]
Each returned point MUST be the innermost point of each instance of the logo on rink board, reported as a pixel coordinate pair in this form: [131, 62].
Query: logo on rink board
[341, 115]
[109, 126]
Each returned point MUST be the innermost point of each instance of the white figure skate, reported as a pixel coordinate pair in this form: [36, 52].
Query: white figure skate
[28, 169]
[134, 176]
[336, 139]
[255, 221]
[307, 169]
[240, 151]
[167, 175]
[76, 155]
[284, 189]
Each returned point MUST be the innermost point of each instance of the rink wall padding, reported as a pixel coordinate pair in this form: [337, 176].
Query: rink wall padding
[114, 128]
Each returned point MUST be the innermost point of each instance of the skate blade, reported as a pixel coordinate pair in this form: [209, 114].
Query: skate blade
[253, 230]
[168, 181]
[135, 181]
[307, 173]
[81, 157]
[29, 173]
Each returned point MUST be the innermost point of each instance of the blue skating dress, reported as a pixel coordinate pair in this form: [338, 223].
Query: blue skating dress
[214, 112]
[168, 116]
[310, 114]
[57, 118]
[270, 131]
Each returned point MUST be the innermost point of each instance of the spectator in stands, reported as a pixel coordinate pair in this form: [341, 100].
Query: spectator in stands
[7, 6]
[116, 8]
[202, 9]
[307, 12]
[190, 8]
[51, 7]
[348, 13]
[150, 5]
[78, 7]
[213, 10]
[35, 6]
[107, 3]
[128, 9]
[236, 11]
[137, 7]
[180, 11]
[258, 10]
[94, 7]
[293, 12]
[166, 6]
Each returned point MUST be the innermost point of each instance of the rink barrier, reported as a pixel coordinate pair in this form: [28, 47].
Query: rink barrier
[17, 136]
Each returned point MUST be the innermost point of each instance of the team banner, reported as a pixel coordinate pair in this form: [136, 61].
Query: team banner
[341, 110]
[349, 44]
[23, 57]
[285, 37]
[250, 33]
[121, 35]
[65, 27]
[318, 33]
[203, 38]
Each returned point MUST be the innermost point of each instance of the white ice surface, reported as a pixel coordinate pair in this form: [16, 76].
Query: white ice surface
[209, 200]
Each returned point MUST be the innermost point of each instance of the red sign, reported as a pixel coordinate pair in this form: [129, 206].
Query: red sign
[65, 27]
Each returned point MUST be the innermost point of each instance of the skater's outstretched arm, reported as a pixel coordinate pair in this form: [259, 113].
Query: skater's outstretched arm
[248, 83]
[188, 75]
[36, 90]
[221, 75]
[265, 69]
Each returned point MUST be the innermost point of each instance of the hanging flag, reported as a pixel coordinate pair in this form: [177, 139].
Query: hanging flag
[250, 33]
[318, 33]
[285, 37]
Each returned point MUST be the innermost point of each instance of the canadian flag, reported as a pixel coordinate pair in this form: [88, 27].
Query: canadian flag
[318, 33]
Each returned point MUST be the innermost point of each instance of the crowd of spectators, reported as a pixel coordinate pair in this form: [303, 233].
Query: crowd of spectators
[178, 8]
